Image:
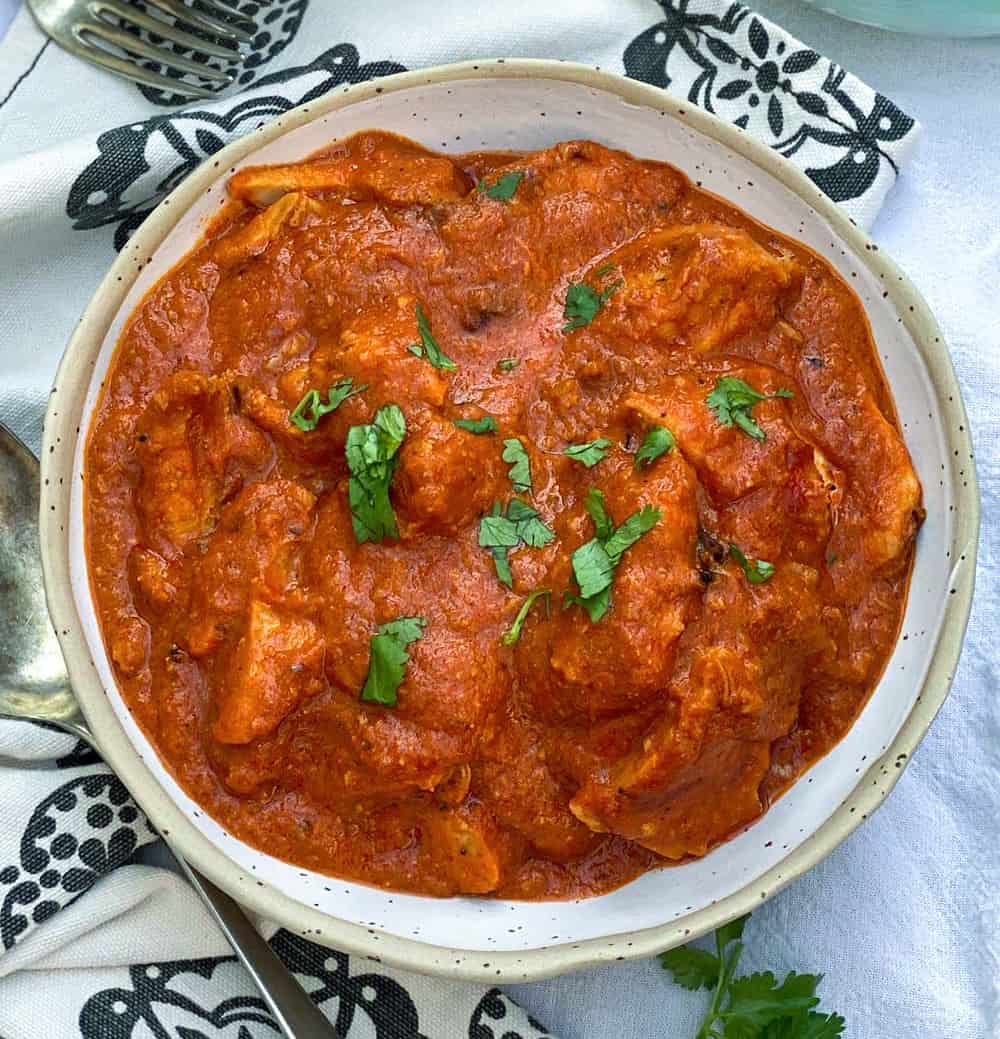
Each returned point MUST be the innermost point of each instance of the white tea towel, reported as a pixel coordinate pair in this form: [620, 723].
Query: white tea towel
[109, 948]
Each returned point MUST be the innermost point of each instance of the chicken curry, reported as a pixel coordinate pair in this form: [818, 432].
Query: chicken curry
[501, 524]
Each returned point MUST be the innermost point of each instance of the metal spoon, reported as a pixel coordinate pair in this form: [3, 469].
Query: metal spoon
[34, 686]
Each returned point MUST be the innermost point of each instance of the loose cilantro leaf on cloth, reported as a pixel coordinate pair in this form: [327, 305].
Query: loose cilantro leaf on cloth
[757, 570]
[479, 426]
[751, 1007]
[312, 407]
[428, 345]
[508, 364]
[583, 303]
[731, 401]
[503, 187]
[513, 633]
[595, 561]
[501, 531]
[371, 459]
[388, 659]
[520, 470]
[658, 441]
[588, 454]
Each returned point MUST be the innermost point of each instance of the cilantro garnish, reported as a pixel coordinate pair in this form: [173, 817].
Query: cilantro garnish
[371, 459]
[513, 633]
[479, 426]
[588, 454]
[757, 570]
[500, 531]
[428, 346]
[755, 1006]
[520, 470]
[595, 561]
[606, 269]
[732, 400]
[503, 187]
[583, 303]
[658, 441]
[312, 407]
[388, 660]
[508, 364]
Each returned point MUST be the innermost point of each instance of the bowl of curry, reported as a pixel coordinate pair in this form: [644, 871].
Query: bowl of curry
[531, 520]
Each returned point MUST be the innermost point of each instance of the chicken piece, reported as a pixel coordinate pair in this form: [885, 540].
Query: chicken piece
[446, 478]
[373, 349]
[259, 554]
[422, 180]
[277, 664]
[698, 286]
[889, 488]
[627, 657]
[288, 211]
[694, 776]
[778, 496]
[465, 846]
[194, 450]
[160, 583]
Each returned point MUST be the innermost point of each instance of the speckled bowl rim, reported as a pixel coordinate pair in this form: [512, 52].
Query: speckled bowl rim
[64, 421]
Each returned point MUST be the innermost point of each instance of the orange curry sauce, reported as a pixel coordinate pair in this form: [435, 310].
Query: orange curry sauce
[239, 607]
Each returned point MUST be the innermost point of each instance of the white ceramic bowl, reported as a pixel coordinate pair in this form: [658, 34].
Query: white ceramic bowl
[527, 105]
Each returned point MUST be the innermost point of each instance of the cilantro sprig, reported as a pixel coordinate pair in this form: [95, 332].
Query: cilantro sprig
[312, 407]
[388, 659]
[595, 561]
[658, 441]
[371, 458]
[513, 633]
[755, 1006]
[732, 400]
[503, 188]
[757, 571]
[588, 454]
[428, 346]
[504, 529]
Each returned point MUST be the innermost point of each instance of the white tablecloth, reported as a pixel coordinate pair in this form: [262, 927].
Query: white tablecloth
[904, 918]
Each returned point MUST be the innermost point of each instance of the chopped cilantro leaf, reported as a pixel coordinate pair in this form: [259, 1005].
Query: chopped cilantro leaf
[594, 562]
[606, 269]
[583, 303]
[500, 532]
[658, 441]
[312, 407]
[508, 364]
[588, 454]
[371, 459]
[388, 659]
[503, 187]
[732, 400]
[520, 470]
[596, 509]
[625, 536]
[529, 525]
[428, 345]
[757, 570]
[513, 633]
[479, 426]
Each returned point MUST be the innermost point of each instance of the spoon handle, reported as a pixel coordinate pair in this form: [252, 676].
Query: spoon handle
[294, 1012]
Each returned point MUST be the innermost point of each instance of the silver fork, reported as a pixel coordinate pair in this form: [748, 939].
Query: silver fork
[98, 32]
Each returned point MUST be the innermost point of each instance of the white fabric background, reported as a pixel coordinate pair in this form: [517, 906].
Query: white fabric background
[904, 918]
